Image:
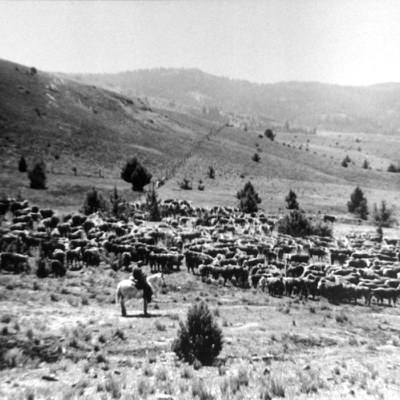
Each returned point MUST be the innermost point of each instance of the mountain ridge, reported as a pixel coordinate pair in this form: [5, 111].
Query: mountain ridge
[373, 108]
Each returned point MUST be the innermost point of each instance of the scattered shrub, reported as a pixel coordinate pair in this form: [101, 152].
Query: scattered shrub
[269, 134]
[37, 176]
[298, 224]
[136, 174]
[153, 204]
[200, 391]
[143, 388]
[113, 386]
[186, 372]
[94, 202]
[22, 166]
[277, 388]
[393, 168]
[366, 165]
[382, 217]
[291, 200]
[160, 326]
[211, 172]
[341, 317]
[256, 157]
[358, 204]
[185, 184]
[119, 207]
[200, 338]
[248, 198]
[161, 374]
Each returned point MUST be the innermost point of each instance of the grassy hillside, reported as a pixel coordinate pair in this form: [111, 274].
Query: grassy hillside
[69, 124]
[95, 130]
[315, 105]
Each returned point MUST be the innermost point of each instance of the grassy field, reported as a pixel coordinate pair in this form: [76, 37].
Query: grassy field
[65, 338]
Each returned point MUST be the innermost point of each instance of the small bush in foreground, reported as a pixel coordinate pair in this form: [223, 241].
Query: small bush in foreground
[200, 338]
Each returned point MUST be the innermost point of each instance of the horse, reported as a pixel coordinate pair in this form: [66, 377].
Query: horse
[126, 289]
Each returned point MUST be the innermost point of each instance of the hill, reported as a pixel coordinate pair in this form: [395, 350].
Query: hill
[306, 104]
[71, 124]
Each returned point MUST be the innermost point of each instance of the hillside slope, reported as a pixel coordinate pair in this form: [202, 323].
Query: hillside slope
[315, 105]
[70, 124]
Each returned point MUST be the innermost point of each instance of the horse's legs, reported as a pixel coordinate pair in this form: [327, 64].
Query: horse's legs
[123, 309]
[145, 306]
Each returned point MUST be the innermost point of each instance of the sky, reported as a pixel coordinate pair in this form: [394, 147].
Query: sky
[347, 42]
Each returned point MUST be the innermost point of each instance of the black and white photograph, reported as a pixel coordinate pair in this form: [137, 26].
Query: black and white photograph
[199, 199]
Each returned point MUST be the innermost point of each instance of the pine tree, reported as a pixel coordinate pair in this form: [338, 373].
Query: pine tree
[383, 217]
[94, 202]
[358, 204]
[291, 200]
[248, 198]
[256, 157]
[22, 167]
[37, 176]
[136, 174]
[153, 204]
[211, 172]
[200, 338]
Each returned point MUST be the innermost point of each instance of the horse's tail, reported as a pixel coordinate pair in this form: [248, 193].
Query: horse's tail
[118, 295]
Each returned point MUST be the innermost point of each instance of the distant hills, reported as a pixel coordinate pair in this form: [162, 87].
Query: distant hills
[75, 123]
[306, 104]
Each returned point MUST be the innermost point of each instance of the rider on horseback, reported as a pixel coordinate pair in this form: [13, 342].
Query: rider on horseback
[139, 278]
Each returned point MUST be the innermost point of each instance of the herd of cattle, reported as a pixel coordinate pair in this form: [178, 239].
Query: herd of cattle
[219, 243]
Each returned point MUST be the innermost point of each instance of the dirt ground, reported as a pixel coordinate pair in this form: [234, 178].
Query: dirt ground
[66, 339]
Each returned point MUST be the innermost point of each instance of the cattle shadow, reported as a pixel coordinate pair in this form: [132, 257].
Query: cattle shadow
[141, 315]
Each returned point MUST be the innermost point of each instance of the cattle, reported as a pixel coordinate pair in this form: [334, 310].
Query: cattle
[299, 258]
[333, 291]
[91, 257]
[318, 252]
[329, 218]
[74, 256]
[276, 286]
[57, 268]
[389, 294]
[14, 262]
